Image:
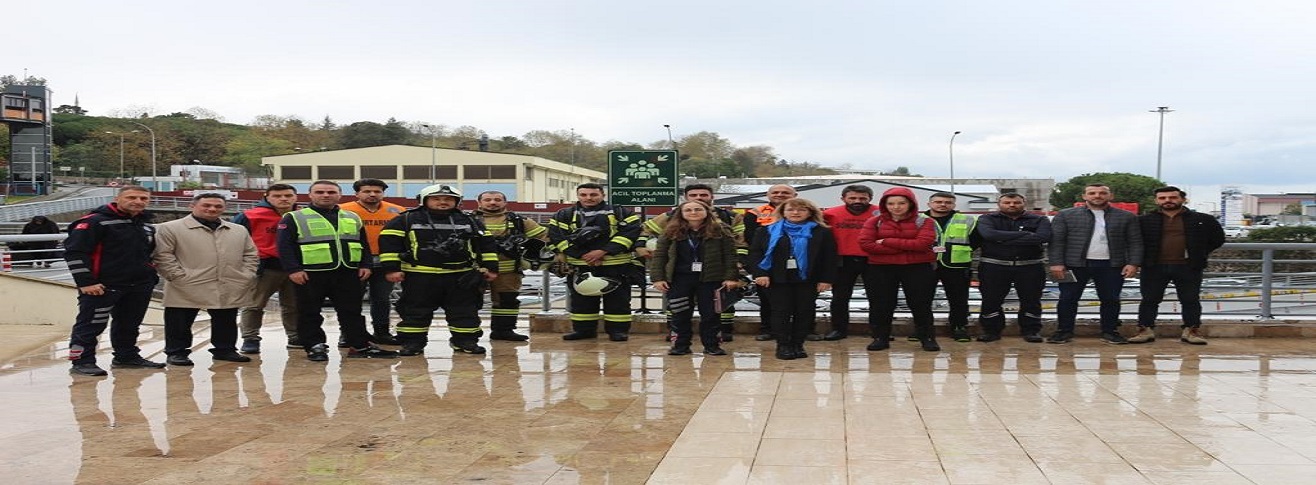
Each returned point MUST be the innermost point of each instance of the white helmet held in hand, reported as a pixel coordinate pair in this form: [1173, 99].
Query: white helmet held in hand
[590, 285]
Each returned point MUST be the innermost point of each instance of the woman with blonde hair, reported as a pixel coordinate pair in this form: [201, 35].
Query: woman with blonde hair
[696, 256]
[793, 259]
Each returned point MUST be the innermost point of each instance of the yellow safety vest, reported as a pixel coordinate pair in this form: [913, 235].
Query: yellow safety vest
[322, 245]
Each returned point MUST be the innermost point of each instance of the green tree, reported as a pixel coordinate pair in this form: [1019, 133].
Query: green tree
[370, 134]
[12, 80]
[1292, 209]
[1124, 187]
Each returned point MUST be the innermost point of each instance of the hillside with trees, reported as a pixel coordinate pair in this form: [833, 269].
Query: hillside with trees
[83, 139]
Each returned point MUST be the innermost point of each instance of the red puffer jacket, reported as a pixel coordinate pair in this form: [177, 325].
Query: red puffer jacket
[907, 241]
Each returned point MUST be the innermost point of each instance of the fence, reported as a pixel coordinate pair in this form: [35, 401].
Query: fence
[1264, 294]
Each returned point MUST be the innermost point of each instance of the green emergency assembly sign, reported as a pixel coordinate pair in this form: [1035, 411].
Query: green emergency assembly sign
[643, 178]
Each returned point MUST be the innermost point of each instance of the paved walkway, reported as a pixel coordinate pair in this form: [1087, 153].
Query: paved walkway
[549, 411]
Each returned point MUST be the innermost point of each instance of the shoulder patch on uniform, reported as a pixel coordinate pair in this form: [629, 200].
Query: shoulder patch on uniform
[82, 225]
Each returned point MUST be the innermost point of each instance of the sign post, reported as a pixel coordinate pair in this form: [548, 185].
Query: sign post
[643, 178]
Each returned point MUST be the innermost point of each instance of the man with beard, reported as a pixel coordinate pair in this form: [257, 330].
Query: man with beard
[434, 250]
[596, 238]
[847, 221]
[1095, 242]
[514, 235]
[1013, 244]
[375, 212]
[955, 243]
[755, 218]
[1177, 243]
[262, 222]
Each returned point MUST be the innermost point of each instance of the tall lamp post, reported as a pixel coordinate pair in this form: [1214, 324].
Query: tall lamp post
[155, 183]
[119, 177]
[671, 145]
[952, 163]
[434, 151]
[1160, 138]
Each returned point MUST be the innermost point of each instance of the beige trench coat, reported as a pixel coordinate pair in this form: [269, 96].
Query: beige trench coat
[204, 268]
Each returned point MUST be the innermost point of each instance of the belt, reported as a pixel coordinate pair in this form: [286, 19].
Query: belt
[1006, 262]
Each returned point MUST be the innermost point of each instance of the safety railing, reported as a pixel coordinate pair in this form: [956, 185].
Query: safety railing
[25, 212]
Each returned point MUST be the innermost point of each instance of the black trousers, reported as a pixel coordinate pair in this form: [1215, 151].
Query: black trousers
[852, 267]
[994, 282]
[883, 283]
[380, 292]
[794, 310]
[178, 330]
[1187, 285]
[343, 289]
[616, 303]
[685, 295]
[423, 293]
[956, 283]
[120, 308]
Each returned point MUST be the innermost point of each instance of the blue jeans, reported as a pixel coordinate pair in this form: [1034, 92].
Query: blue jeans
[1108, 280]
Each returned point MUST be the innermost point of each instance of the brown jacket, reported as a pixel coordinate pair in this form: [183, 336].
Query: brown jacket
[204, 268]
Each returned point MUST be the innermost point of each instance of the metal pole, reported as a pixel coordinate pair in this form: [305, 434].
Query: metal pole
[155, 183]
[120, 177]
[671, 145]
[434, 152]
[1160, 138]
[952, 163]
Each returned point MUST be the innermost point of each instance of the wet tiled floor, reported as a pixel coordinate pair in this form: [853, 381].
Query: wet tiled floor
[549, 411]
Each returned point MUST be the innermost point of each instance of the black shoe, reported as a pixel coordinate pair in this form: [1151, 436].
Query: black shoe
[725, 337]
[384, 338]
[1114, 339]
[764, 337]
[879, 344]
[619, 336]
[930, 345]
[409, 350]
[508, 335]
[135, 363]
[250, 346]
[799, 352]
[373, 352]
[294, 343]
[834, 335]
[1033, 338]
[714, 351]
[785, 352]
[466, 347]
[679, 349]
[580, 336]
[231, 356]
[179, 360]
[318, 353]
[960, 334]
[1060, 337]
[989, 337]
[813, 337]
[342, 343]
[88, 370]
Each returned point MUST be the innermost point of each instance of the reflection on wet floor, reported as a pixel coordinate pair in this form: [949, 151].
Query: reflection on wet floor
[549, 411]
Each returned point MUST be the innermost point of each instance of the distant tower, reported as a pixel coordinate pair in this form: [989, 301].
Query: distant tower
[26, 109]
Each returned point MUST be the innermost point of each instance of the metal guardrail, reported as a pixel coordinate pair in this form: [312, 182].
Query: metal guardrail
[25, 212]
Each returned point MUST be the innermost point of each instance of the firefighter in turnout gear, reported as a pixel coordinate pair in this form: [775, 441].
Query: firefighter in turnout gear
[596, 238]
[956, 240]
[442, 257]
[515, 236]
[652, 228]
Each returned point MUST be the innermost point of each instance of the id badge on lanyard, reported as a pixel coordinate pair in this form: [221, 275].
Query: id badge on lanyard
[696, 266]
[791, 264]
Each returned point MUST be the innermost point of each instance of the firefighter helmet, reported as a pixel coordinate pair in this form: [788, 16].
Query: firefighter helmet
[590, 285]
[437, 190]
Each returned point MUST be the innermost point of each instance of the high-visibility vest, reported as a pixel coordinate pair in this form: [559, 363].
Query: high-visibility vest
[955, 239]
[323, 246]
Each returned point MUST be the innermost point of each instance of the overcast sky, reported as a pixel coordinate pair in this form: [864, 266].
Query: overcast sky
[1039, 88]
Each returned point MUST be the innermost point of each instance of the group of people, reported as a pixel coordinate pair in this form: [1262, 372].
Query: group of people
[699, 255]
[441, 256]
[796, 251]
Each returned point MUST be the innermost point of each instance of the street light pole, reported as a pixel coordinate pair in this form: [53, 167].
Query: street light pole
[1160, 138]
[671, 145]
[119, 177]
[952, 163]
[434, 151]
[155, 183]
